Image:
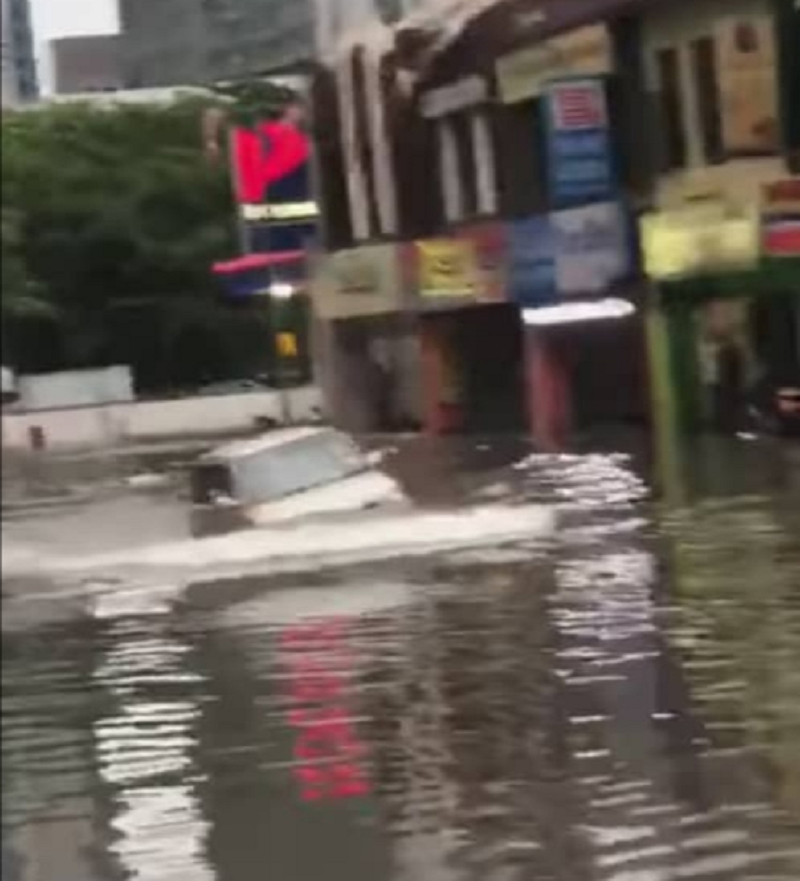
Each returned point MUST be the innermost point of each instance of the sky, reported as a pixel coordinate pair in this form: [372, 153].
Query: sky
[64, 18]
[68, 18]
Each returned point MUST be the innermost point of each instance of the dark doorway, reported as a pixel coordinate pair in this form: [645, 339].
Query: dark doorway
[608, 371]
[490, 341]
[775, 328]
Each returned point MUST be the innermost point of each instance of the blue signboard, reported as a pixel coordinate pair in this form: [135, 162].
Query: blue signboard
[579, 155]
[574, 253]
[531, 261]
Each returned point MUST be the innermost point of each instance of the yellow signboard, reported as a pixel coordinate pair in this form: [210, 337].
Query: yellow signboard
[286, 344]
[448, 268]
[701, 239]
[524, 74]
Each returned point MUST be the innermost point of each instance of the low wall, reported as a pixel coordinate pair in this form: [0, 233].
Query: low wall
[76, 388]
[124, 423]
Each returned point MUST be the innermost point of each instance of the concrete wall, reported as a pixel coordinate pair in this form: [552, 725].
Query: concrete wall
[75, 388]
[126, 423]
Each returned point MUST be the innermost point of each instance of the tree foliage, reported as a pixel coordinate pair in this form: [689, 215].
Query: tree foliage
[112, 217]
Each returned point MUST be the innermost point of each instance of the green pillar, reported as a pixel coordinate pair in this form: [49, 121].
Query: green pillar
[663, 403]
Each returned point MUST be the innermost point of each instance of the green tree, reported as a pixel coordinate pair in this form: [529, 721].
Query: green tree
[112, 217]
[20, 292]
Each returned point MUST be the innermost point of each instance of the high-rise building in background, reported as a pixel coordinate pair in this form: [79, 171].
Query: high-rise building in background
[165, 42]
[20, 81]
[86, 64]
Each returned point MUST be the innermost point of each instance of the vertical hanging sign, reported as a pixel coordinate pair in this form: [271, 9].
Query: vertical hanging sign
[271, 172]
[579, 155]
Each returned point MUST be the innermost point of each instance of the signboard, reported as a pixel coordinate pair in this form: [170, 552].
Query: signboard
[585, 52]
[747, 65]
[489, 243]
[531, 261]
[358, 282]
[572, 253]
[447, 268]
[592, 248]
[286, 344]
[579, 159]
[271, 172]
[780, 219]
[703, 238]
[459, 95]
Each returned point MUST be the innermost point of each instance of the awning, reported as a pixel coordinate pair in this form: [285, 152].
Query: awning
[424, 36]
[250, 262]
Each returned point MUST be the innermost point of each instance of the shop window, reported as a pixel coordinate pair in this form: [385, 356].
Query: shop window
[520, 165]
[671, 101]
[449, 173]
[417, 162]
[633, 112]
[704, 71]
[363, 140]
[330, 159]
[485, 178]
[467, 169]
[466, 165]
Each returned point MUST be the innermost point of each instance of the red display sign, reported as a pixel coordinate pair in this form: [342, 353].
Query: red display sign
[782, 238]
[781, 219]
[265, 155]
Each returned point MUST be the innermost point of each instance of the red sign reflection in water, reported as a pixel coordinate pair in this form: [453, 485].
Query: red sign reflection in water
[327, 751]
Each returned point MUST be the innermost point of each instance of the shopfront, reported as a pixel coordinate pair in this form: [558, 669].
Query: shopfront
[571, 273]
[729, 291]
[367, 352]
[777, 318]
[470, 334]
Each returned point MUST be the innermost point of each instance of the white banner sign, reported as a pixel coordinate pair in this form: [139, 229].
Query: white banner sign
[592, 248]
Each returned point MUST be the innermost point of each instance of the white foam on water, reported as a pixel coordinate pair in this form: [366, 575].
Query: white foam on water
[299, 547]
[19, 557]
[290, 605]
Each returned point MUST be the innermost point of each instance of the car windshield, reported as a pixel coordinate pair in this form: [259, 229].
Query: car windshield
[209, 481]
[295, 466]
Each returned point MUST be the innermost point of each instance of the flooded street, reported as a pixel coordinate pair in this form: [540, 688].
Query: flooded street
[617, 701]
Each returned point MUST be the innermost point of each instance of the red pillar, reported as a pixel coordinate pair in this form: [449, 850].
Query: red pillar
[548, 391]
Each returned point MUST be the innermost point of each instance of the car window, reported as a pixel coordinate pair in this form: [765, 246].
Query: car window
[296, 466]
[208, 481]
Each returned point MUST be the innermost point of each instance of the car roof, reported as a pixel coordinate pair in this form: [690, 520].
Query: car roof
[277, 438]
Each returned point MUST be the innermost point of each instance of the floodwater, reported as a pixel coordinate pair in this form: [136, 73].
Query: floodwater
[618, 703]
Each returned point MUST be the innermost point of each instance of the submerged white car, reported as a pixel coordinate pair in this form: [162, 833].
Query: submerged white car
[283, 475]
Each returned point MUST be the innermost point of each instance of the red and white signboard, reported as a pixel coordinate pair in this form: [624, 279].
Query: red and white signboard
[577, 106]
[781, 219]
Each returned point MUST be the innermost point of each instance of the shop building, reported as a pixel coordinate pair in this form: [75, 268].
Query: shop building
[510, 153]
[367, 352]
[721, 242]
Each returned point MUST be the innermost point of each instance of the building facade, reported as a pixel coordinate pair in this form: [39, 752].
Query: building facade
[20, 79]
[517, 156]
[166, 42]
[722, 241]
[86, 64]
